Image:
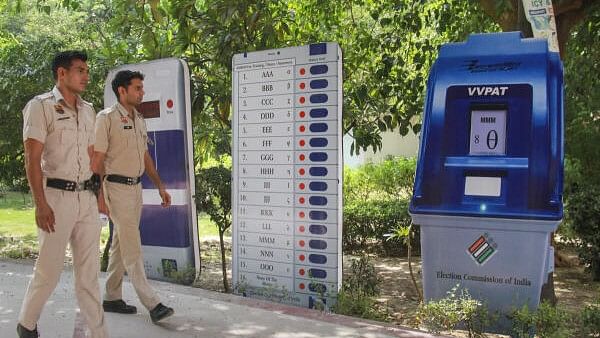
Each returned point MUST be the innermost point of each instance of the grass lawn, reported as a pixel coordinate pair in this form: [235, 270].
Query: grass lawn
[17, 219]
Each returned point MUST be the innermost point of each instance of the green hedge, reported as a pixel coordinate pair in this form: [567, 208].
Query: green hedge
[376, 199]
[583, 217]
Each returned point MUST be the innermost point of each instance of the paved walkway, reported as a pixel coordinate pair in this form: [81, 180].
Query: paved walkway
[198, 313]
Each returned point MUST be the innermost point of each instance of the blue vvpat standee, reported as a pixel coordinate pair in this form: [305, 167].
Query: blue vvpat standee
[488, 186]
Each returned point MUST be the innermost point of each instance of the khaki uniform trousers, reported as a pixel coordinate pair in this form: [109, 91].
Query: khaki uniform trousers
[125, 206]
[77, 223]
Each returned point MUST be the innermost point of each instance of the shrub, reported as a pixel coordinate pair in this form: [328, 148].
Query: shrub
[213, 196]
[371, 220]
[583, 217]
[183, 276]
[457, 310]
[391, 179]
[590, 320]
[376, 198]
[547, 321]
[359, 289]
[18, 247]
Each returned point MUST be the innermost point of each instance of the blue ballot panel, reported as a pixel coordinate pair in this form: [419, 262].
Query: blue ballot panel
[492, 140]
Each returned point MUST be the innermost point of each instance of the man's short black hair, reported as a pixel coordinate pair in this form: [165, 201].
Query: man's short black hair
[64, 59]
[123, 79]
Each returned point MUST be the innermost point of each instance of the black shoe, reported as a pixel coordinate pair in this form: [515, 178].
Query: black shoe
[118, 306]
[25, 333]
[160, 312]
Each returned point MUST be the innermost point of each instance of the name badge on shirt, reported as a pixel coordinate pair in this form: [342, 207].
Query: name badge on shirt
[127, 127]
[63, 118]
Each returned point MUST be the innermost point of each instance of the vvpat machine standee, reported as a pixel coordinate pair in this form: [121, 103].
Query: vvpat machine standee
[488, 185]
[169, 235]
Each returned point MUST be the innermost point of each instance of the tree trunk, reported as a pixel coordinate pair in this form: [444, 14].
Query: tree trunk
[567, 13]
[522, 24]
[223, 261]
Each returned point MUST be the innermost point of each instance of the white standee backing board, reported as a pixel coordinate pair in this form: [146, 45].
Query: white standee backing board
[287, 174]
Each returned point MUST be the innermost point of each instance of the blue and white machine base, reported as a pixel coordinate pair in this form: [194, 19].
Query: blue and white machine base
[488, 186]
[169, 235]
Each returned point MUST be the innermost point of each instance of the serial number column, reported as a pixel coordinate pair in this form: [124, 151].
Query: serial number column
[266, 176]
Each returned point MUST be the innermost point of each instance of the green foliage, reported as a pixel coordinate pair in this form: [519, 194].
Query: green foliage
[369, 220]
[389, 47]
[28, 41]
[376, 198]
[213, 195]
[183, 276]
[582, 105]
[362, 279]
[583, 216]
[359, 289]
[590, 320]
[390, 179]
[547, 322]
[457, 310]
[18, 247]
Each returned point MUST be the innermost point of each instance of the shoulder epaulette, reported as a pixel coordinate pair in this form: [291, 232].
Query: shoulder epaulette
[44, 96]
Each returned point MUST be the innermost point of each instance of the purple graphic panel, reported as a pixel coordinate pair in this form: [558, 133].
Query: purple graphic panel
[166, 227]
[167, 149]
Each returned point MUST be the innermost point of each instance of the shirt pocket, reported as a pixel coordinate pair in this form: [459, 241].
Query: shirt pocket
[128, 135]
[67, 129]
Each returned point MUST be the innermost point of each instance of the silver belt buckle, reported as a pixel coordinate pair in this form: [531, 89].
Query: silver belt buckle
[80, 186]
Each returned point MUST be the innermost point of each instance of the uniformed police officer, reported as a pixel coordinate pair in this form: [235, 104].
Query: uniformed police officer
[121, 156]
[58, 135]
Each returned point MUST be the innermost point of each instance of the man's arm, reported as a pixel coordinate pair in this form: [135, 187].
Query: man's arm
[44, 216]
[98, 168]
[155, 178]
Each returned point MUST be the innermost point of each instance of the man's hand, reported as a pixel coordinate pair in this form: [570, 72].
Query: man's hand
[166, 198]
[102, 207]
[44, 217]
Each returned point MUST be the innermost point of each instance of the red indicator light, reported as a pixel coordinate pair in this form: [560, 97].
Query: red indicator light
[169, 103]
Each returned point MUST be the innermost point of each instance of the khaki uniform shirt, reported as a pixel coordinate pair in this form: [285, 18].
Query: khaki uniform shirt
[65, 132]
[124, 140]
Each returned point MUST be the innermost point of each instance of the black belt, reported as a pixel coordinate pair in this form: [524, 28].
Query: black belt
[61, 184]
[124, 179]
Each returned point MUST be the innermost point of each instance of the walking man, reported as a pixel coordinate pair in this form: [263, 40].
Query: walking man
[121, 156]
[58, 135]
